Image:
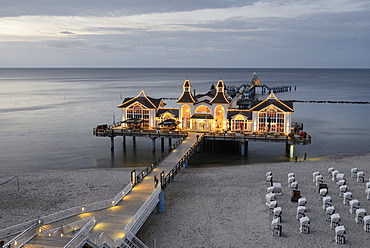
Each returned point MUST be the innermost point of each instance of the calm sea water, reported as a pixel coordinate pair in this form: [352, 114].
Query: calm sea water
[47, 115]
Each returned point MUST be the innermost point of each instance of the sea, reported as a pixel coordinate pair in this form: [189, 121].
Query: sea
[47, 115]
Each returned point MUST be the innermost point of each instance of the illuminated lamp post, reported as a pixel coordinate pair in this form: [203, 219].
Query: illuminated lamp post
[133, 178]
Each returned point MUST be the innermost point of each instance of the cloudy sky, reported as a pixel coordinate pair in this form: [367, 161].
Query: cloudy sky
[192, 33]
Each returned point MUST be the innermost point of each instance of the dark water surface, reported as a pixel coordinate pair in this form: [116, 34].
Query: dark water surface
[47, 115]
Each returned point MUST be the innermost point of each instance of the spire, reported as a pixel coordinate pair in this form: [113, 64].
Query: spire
[186, 96]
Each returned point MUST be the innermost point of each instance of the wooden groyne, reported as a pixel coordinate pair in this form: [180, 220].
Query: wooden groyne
[335, 102]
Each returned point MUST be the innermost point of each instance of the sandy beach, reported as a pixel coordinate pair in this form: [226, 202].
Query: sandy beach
[225, 207]
[204, 207]
[48, 191]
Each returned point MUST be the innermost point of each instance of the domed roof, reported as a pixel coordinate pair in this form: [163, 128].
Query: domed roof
[187, 83]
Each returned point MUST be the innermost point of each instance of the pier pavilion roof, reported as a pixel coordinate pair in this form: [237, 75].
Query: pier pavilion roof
[201, 116]
[172, 111]
[220, 94]
[145, 100]
[186, 96]
[234, 112]
[272, 100]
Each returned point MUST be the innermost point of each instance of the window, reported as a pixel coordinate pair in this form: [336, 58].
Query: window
[203, 109]
[139, 112]
[271, 120]
[219, 117]
[185, 113]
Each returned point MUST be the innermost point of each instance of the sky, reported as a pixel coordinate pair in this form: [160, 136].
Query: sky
[192, 33]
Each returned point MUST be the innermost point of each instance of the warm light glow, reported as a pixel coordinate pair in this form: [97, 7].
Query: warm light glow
[40, 230]
[39, 221]
[61, 235]
[15, 242]
[83, 208]
[112, 202]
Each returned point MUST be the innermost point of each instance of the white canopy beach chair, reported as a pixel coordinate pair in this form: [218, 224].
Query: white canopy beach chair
[269, 181]
[301, 210]
[291, 175]
[277, 188]
[339, 176]
[353, 206]
[319, 179]
[342, 190]
[316, 173]
[302, 201]
[347, 197]
[334, 174]
[360, 176]
[341, 182]
[294, 185]
[329, 211]
[326, 202]
[360, 214]
[269, 198]
[273, 204]
[277, 213]
[290, 181]
[340, 231]
[276, 228]
[334, 220]
[268, 173]
[330, 170]
[366, 221]
[322, 193]
[304, 225]
[354, 172]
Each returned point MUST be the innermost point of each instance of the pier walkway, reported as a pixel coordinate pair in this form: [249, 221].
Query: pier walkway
[111, 226]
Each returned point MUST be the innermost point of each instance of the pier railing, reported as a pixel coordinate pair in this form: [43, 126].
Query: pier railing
[66, 213]
[260, 137]
[184, 159]
[81, 234]
[154, 164]
[114, 130]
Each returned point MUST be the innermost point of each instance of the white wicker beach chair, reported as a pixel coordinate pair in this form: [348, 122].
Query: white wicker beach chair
[342, 190]
[340, 232]
[354, 172]
[360, 176]
[360, 214]
[316, 173]
[334, 220]
[301, 210]
[276, 228]
[302, 201]
[334, 174]
[353, 206]
[304, 225]
[347, 197]
[326, 202]
[366, 221]
[329, 211]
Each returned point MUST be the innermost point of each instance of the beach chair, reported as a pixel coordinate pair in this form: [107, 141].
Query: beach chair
[277, 213]
[354, 172]
[326, 202]
[360, 176]
[273, 204]
[319, 179]
[329, 212]
[323, 186]
[339, 176]
[341, 182]
[269, 181]
[340, 231]
[322, 194]
[301, 210]
[360, 214]
[269, 198]
[334, 174]
[304, 225]
[295, 196]
[366, 221]
[291, 175]
[302, 201]
[290, 181]
[270, 189]
[269, 174]
[334, 220]
[314, 175]
[330, 170]
[277, 188]
[342, 190]
[367, 194]
[347, 197]
[353, 206]
[294, 185]
[276, 228]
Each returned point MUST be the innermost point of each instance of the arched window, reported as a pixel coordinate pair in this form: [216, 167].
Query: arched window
[185, 113]
[271, 120]
[239, 123]
[219, 117]
[139, 112]
[203, 110]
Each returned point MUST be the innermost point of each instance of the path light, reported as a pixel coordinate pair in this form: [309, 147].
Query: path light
[133, 177]
[83, 209]
[112, 202]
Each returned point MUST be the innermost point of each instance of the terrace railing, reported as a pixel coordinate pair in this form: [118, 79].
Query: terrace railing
[66, 213]
[80, 236]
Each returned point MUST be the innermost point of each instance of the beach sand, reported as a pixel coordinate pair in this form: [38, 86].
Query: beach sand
[204, 207]
[225, 207]
[49, 191]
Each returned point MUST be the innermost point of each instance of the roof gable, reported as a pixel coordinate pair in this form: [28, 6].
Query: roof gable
[272, 100]
[145, 100]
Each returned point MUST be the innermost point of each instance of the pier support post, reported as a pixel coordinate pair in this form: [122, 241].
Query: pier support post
[134, 140]
[242, 148]
[112, 143]
[153, 143]
[124, 140]
[186, 163]
[162, 144]
[169, 142]
[160, 206]
[289, 149]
